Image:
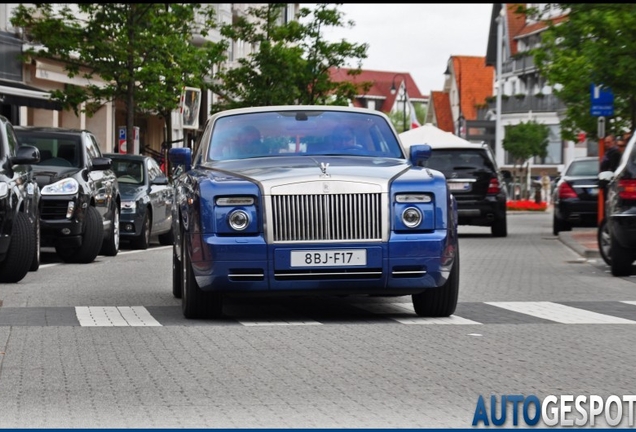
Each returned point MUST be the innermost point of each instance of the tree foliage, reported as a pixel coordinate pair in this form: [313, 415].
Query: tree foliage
[524, 141]
[142, 52]
[290, 62]
[595, 44]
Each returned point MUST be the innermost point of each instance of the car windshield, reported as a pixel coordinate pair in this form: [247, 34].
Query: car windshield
[583, 168]
[128, 171]
[56, 149]
[284, 133]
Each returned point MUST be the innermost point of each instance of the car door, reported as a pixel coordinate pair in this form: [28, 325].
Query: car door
[160, 194]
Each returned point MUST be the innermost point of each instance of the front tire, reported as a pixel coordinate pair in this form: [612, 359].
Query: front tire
[91, 240]
[143, 240]
[19, 256]
[559, 225]
[111, 244]
[441, 301]
[604, 242]
[194, 302]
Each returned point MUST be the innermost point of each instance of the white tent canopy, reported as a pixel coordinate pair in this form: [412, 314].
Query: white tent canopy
[429, 134]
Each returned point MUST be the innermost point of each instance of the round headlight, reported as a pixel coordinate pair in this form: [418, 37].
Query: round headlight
[239, 220]
[411, 217]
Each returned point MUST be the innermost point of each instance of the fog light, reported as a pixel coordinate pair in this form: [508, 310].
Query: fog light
[66, 231]
[70, 208]
[129, 227]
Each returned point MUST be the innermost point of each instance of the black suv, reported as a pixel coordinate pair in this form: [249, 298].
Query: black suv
[80, 205]
[19, 199]
[617, 232]
[476, 182]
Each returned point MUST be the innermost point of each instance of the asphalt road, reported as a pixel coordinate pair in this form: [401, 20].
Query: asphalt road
[105, 345]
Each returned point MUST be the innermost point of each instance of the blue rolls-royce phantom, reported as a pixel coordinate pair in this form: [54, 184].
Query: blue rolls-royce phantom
[313, 200]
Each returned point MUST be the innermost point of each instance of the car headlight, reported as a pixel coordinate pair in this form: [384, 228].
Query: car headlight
[129, 205]
[67, 186]
[238, 220]
[4, 189]
[412, 217]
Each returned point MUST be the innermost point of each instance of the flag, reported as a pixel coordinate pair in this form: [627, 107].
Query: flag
[414, 122]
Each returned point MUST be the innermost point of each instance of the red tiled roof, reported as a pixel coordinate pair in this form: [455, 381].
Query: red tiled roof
[516, 22]
[474, 81]
[442, 108]
[382, 82]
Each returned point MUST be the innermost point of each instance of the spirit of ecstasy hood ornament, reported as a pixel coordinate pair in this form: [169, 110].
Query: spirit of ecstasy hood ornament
[323, 168]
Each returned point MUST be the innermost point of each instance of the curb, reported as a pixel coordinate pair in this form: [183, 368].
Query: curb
[567, 239]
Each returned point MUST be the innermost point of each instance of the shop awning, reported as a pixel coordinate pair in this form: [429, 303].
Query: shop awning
[16, 93]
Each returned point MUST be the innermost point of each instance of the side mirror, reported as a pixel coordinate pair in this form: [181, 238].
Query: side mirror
[507, 175]
[181, 156]
[419, 153]
[102, 164]
[604, 178]
[160, 180]
[26, 154]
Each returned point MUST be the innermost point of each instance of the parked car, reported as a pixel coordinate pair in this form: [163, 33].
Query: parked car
[476, 182]
[620, 213]
[80, 205]
[575, 197]
[146, 199]
[19, 200]
[310, 200]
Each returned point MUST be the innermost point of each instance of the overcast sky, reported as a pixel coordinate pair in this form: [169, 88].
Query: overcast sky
[416, 38]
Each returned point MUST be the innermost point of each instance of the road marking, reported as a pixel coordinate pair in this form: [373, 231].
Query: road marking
[115, 316]
[254, 323]
[560, 313]
[633, 303]
[407, 308]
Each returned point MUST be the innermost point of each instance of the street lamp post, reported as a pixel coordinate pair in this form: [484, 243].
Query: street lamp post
[393, 90]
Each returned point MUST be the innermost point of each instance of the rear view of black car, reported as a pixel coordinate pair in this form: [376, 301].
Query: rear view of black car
[576, 196]
[620, 212]
[19, 199]
[476, 183]
[80, 204]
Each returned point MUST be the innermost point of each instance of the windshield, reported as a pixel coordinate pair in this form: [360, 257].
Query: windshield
[269, 134]
[128, 171]
[56, 149]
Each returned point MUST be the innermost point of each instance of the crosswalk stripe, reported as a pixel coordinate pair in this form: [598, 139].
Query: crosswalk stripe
[407, 308]
[115, 316]
[254, 323]
[560, 313]
[633, 303]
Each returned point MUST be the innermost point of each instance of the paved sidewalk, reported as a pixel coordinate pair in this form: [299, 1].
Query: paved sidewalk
[582, 241]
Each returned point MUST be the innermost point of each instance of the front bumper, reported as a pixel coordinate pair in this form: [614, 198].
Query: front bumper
[407, 264]
[130, 224]
[55, 227]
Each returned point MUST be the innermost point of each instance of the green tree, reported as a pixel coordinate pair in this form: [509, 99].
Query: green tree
[524, 141]
[595, 44]
[143, 52]
[291, 62]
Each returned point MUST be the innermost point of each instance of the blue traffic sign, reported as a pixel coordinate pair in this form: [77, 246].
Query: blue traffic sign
[122, 133]
[602, 101]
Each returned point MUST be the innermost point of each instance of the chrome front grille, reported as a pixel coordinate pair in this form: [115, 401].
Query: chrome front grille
[334, 217]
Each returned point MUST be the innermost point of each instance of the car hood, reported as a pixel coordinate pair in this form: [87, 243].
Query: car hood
[271, 172]
[46, 175]
[130, 191]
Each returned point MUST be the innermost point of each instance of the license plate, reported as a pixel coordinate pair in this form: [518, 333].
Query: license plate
[458, 186]
[329, 258]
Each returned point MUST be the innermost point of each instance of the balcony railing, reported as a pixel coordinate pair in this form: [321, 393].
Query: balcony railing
[519, 66]
[526, 103]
